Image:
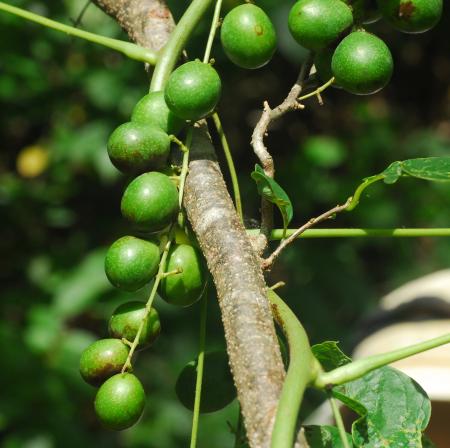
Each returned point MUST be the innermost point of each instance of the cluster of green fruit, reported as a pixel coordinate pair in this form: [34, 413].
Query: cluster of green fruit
[151, 203]
[360, 62]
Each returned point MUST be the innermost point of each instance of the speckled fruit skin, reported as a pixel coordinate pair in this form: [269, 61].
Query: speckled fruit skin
[193, 90]
[137, 147]
[217, 389]
[126, 319]
[120, 401]
[185, 288]
[131, 263]
[248, 36]
[411, 16]
[150, 201]
[102, 359]
[152, 110]
[362, 63]
[322, 62]
[316, 24]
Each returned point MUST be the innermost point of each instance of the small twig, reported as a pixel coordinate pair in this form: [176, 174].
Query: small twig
[268, 115]
[339, 421]
[268, 262]
[78, 20]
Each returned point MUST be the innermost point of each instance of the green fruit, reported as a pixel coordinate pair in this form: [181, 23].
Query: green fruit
[185, 288]
[193, 90]
[316, 24]
[322, 62]
[120, 401]
[152, 110]
[137, 147]
[362, 63]
[150, 201]
[411, 16]
[131, 263]
[102, 359]
[217, 388]
[248, 36]
[126, 319]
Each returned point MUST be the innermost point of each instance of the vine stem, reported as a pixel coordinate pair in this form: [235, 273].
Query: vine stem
[302, 369]
[277, 234]
[200, 367]
[338, 419]
[361, 367]
[212, 32]
[318, 91]
[129, 49]
[178, 39]
[231, 166]
[356, 196]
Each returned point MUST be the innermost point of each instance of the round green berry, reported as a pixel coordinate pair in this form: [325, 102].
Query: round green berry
[102, 359]
[362, 63]
[150, 201]
[185, 288]
[217, 387]
[316, 24]
[137, 147]
[411, 16]
[126, 320]
[152, 110]
[193, 90]
[120, 401]
[131, 263]
[248, 36]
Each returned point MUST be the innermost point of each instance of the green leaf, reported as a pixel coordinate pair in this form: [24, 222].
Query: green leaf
[324, 437]
[394, 410]
[430, 168]
[271, 191]
[392, 173]
[330, 355]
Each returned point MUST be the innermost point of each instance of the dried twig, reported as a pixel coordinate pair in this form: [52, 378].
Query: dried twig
[268, 115]
[268, 262]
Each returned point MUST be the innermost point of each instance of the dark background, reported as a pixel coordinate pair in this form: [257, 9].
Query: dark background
[59, 207]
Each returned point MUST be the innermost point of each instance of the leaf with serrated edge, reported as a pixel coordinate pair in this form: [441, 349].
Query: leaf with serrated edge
[330, 355]
[394, 409]
[324, 437]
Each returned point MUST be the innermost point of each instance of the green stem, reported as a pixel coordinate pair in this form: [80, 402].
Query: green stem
[339, 422]
[200, 365]
[277, 234]
[317, 91]
[129, 49]
[361, 367]
[183, 175]
[356, 196]
[178, 39]
[302, 369]
[230, 163]
[212, 32]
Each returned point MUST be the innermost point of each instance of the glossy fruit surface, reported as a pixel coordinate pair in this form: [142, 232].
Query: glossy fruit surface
[411, 16]
[131, 262]
[217, 389]
[185, 288]
[248, 36]
[150, 201]
[362, 63]
[120, 401]
[137, 147]
[126, 319]
[102, 359]
[316, 24]
[193, 90]
[152, 110]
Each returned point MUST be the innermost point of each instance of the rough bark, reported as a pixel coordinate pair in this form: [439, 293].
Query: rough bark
[249, 329]
[147, 22]
[251, 340]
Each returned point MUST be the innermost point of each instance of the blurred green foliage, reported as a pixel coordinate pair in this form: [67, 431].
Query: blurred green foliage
[59, 203]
